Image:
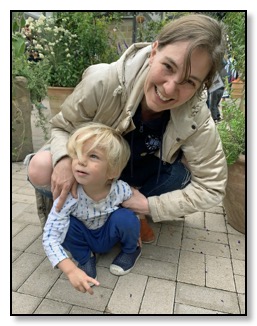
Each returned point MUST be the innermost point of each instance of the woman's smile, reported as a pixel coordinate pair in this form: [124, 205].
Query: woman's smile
[163, 98]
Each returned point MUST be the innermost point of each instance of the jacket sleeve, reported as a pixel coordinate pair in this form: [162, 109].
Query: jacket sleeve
[207, 163]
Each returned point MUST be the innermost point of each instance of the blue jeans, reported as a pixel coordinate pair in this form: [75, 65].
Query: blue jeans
[122, 226]
[171, 177]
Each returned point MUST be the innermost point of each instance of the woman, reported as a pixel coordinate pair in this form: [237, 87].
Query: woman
[154, 95]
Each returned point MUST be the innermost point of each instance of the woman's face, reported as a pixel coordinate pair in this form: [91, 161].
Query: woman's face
[163, 88]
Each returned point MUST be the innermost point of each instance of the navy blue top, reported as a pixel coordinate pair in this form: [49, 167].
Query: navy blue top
[146, 139]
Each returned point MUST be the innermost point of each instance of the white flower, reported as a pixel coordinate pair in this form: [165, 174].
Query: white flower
[39, 22]
[39, 47]
[29, 20]
[42, 18]
[68, 55]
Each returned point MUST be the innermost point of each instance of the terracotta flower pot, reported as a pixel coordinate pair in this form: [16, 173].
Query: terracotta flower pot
[237, 89]
[57, 96]
[234, 201]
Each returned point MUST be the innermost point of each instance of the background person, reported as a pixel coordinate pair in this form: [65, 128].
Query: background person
[216, 92]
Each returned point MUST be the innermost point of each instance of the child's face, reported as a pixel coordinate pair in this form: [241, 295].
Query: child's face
[93, 170]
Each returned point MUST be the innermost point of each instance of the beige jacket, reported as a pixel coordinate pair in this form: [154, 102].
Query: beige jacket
[110, 94]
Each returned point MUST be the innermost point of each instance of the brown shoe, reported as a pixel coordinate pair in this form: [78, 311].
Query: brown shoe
[146, 233]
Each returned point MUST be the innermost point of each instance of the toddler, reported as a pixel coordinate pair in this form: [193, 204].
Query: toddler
[94, 221]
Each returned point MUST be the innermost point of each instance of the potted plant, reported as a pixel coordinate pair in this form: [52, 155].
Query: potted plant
[232, 128]
[29, 88]
[56, 47]
[232, 133]
[69, 43]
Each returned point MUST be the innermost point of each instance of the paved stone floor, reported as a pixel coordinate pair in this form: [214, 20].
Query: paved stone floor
[196, 266]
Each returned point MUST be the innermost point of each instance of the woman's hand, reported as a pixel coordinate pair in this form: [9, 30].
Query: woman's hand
[137, 203]
[63, 182]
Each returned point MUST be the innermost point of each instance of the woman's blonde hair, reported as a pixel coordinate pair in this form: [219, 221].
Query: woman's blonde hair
[202, 32]
[105, 138]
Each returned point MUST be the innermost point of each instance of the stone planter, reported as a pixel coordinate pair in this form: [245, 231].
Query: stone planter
[234, 201]
[57, 96]
[21, 120]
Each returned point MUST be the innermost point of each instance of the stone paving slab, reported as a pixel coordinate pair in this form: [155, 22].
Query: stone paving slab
[127, 295]
[205, 235]
[219, 273]
[205, 247]
[41, 280]
[52, 307]
[155, 291]
[23, 304]
[23, 267]
[182, 309]
[191, 268]
[63, 291]
[26, 236]
[156, 268]
[207, 298]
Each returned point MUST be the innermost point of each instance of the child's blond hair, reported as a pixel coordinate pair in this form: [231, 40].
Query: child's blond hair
[105, 138]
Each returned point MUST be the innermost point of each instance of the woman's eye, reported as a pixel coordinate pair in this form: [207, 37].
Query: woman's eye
[167, 66]
[191, 82]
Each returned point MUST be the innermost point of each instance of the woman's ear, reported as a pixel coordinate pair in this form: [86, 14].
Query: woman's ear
[155, 45]
[154, 50]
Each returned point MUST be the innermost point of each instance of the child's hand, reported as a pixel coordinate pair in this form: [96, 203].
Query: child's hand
[80, 280]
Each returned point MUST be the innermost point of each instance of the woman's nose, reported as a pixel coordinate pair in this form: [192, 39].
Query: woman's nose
[170, 87]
